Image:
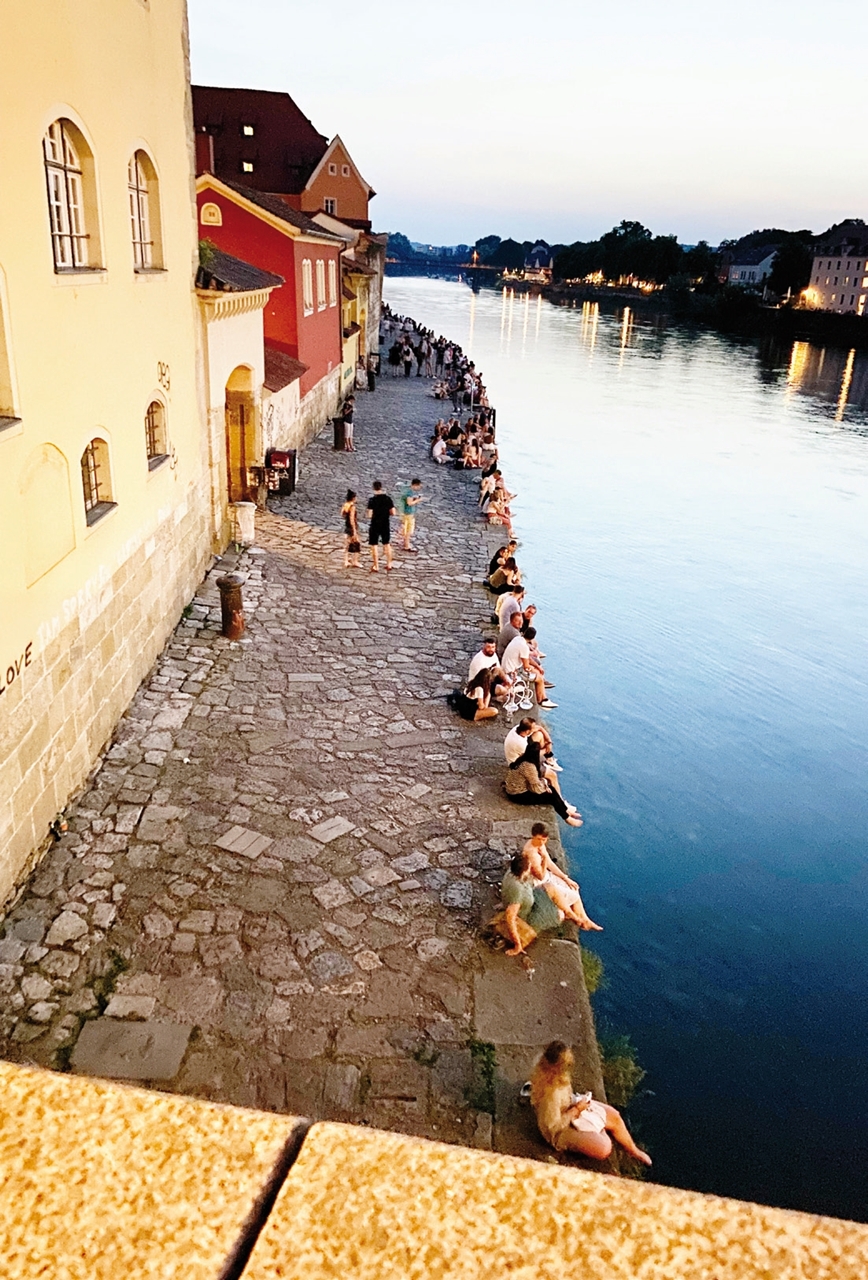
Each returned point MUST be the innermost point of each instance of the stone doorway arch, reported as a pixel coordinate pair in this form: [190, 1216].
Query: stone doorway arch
[241, 433]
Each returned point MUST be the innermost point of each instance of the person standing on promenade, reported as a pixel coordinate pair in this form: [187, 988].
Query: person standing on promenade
[408, 500]
[407, 357]
[347, 414]
[353, 546]
[380, 510]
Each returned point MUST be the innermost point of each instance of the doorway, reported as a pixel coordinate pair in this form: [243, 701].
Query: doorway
[240, 433]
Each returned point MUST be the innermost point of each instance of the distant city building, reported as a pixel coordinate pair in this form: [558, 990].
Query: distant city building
[539, 262]
[750, 268]
[839, 276]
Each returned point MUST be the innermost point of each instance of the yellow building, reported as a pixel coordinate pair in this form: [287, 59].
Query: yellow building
[107, 509]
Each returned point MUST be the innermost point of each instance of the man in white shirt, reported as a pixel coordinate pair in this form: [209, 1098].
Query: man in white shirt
[508, 604]
[516, 657]
[487, 658]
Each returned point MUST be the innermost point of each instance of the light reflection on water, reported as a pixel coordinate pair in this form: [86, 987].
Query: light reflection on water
[692, 516]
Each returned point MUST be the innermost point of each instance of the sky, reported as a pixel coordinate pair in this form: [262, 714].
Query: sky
[558, 119]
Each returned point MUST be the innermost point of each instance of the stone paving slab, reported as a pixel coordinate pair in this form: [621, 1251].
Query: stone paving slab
[134, 1051]
[291, 841]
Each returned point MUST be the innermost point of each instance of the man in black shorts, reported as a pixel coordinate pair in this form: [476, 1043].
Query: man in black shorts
[380, 510]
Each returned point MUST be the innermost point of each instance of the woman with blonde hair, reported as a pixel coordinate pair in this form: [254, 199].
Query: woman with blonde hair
[575, 1122]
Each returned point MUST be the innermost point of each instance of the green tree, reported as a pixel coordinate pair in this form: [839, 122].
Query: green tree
[486, 246]
[578, 260]
[509, 254]
[791, 269]
[399, 247]
[700, 262]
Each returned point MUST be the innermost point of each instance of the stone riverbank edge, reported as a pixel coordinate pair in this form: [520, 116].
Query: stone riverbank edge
[271, 889]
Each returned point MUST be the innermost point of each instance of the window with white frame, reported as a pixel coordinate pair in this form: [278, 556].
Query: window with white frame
[96, 481]
[345, 170]
[307, 286]
[330, 205]
[155, 434]
[320, 285]
[139, 190]
[333, 283]
[64, 175]
[333, 169]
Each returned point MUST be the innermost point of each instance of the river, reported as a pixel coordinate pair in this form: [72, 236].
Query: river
[692, 515]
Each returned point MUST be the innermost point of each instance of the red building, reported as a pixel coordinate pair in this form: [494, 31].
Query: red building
[303, 317]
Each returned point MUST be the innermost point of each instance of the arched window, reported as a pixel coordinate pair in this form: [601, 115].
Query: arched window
[71, 198]
[320, 285]
[96, 481]
[333, 283]
[144, 213]
[155, 434]
[307, 286]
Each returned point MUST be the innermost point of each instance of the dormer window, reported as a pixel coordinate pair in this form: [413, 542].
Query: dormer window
[246, 166]
[248, 130]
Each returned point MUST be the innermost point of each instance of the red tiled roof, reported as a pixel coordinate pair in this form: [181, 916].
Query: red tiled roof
[281, 369]
[220, 271]
[280, 209]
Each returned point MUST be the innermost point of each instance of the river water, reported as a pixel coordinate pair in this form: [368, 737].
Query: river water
[692, 513]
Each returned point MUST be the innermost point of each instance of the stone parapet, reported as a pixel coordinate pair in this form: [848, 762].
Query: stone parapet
[103, 1181]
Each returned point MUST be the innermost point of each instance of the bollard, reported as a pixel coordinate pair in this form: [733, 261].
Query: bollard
[245, 523]
[231, 605]
[340, 434]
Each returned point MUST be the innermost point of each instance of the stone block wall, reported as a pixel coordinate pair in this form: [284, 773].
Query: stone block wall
[315, 409]
[84, 667]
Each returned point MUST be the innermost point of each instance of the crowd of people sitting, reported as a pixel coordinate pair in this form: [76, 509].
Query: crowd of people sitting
[505, 677]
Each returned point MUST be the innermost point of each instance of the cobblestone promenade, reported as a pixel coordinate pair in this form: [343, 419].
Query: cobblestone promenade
[271, 889]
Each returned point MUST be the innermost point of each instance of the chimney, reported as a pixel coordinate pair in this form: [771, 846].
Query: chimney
[204, 153]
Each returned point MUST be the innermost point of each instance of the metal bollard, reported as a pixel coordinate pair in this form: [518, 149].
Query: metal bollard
[231, 605]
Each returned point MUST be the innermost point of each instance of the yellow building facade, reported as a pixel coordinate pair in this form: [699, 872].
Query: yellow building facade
[108, 513]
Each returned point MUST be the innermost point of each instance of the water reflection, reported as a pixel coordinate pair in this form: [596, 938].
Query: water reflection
[830, 375]
[590, 321]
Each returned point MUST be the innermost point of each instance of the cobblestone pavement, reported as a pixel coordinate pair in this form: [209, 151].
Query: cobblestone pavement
[288, 846]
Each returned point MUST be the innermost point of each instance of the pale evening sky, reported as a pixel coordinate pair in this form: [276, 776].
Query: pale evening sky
[559, 118]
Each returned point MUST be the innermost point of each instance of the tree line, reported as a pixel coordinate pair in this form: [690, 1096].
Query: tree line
[631, 250]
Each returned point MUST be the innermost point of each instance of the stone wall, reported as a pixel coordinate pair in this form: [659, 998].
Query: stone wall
[315, 409]
[80, 673]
